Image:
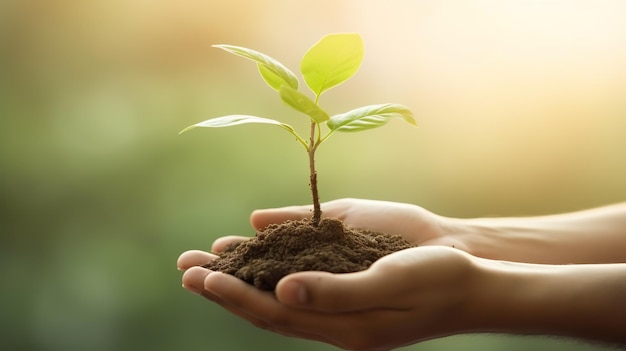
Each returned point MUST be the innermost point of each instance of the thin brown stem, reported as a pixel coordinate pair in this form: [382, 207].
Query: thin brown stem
[313, 144]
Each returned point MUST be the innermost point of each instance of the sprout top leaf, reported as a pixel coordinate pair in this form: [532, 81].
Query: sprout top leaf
[332, 61]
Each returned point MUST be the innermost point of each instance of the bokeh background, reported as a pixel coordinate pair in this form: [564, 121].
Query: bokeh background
[520, 104]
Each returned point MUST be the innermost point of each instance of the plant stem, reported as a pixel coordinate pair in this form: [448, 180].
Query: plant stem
[313, 144]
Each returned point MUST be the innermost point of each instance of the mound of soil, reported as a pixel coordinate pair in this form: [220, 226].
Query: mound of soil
[296, 246]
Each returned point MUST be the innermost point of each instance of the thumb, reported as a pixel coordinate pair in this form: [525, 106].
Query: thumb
[262, 218]
[334, 293]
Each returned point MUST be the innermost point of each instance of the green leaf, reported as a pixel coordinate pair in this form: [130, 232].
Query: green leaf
[233, 120]
[332, 61]
[302, 103]
[369, 117]
[273, 72]
[271, 78]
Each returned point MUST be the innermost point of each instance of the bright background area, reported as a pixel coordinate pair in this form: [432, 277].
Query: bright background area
[520, 104]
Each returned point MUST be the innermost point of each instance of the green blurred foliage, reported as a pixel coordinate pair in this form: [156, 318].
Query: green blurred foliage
[99, 195]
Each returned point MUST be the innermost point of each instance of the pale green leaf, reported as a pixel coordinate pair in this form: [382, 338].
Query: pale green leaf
[369, 117]
[332, 61]
[233, 120]
[302, 103]
[273, 72]
[271, 78]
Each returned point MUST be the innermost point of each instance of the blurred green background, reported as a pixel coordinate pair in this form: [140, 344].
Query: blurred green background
[520, 103]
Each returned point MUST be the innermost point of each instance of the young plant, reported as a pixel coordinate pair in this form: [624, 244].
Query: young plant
[330, 62]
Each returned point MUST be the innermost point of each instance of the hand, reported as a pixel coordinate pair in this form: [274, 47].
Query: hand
[434, 291]
[414, 223]
[409, 296]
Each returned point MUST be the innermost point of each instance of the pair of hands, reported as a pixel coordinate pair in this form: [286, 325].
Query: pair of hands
[408, 296]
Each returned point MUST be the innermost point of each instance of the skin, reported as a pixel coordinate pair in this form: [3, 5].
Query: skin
[499, 275]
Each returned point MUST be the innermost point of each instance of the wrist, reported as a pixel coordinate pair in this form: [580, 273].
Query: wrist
[504, 239]
[578, 301]
[508, 297]
[467, 235]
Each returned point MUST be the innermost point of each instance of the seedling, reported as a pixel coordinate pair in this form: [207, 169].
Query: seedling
[328, 63]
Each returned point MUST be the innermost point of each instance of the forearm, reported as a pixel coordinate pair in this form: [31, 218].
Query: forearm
[592, 236]
[579, 301]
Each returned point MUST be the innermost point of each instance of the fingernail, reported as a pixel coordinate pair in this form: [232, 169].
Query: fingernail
[295, 293]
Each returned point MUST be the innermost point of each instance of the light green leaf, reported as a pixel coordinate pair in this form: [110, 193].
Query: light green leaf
[302, 103]
[332, 61]
[369, 117]
[233, 120]
[273, 72]
[271, 78]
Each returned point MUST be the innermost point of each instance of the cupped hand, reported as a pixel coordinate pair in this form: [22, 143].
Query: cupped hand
[406, 297]
[416, 224]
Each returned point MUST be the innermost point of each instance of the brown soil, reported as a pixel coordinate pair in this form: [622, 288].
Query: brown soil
[296, 246]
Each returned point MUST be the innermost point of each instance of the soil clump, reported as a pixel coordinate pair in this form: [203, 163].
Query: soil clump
[296, 246]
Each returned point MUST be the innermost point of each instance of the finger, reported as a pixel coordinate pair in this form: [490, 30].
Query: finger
[192, 258]
[260, 219]
[351, 330]
[391, 283]
[260, 307]
[335, 293]
[193, 279]
[220, 244]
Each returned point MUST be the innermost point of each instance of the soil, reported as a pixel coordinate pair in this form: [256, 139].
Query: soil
[296, 246]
